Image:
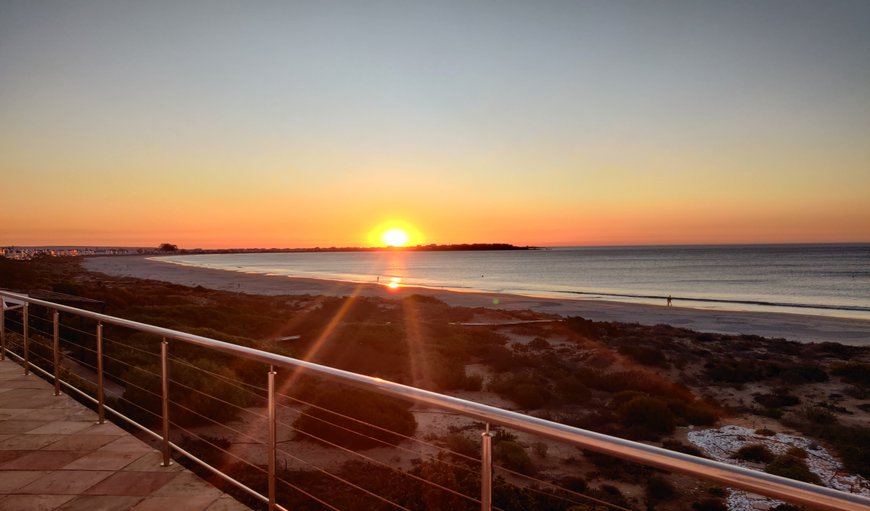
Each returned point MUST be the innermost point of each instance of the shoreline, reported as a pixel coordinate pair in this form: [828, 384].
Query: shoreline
[793, 327]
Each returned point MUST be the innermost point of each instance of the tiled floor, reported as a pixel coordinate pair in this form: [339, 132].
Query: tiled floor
[53, 455]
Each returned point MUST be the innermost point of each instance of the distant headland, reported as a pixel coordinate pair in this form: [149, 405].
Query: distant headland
[453, 247]
[27, 253]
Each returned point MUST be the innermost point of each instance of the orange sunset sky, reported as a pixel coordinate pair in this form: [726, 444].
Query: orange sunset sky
[284, 124]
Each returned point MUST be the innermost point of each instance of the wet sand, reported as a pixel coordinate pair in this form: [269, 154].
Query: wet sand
[795, 327]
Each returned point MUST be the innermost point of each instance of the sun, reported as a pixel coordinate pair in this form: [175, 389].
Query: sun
[395, 237]
[395, 233]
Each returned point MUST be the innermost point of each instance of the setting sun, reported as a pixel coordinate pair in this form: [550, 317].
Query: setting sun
[395, 233]
[395, 237]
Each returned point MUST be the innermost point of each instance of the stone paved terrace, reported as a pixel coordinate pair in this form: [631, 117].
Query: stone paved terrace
[53, 455]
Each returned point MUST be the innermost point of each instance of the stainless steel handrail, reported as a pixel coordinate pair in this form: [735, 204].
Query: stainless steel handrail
[730, 475]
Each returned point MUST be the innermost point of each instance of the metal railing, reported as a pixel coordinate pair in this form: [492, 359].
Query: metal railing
[769, 485]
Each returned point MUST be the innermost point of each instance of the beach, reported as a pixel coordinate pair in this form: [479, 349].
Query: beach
[793, 327]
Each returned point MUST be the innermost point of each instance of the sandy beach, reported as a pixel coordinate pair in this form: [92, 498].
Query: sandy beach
[795, 327]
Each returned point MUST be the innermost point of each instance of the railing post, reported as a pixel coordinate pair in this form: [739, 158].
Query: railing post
[164, 376]
[486, 470]
[273, 439]
[25, 313]
[101, 405]
[2, 328]
[56, 352]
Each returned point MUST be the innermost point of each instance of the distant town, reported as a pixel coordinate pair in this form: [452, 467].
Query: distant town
[28, 253]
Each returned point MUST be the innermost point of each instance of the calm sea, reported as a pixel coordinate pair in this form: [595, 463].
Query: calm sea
[830, 280]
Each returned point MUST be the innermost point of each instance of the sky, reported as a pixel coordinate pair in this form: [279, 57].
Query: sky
[220, 124]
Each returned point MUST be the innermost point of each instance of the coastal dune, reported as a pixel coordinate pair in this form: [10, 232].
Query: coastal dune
[793, 327]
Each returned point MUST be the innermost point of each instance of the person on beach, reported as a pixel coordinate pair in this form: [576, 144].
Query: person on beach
[669, 300]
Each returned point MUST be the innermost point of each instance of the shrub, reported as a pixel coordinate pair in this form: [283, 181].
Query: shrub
[786, 507]
[697, 412]
[734, 371]
[793, 468]
[574, 483]
[676, 445]
[777, 399]
[379, 411]
[572, 391]
[647, 418]
[797, 452]
[513, 457]
[659, 489]
[796, 375]
[524, 389]
[539, 344]
[756, 453]
[856, 373]
[453, 377]
[645, 355]
[502, 435]
[819, 415]
[463, 445]
[710, 505]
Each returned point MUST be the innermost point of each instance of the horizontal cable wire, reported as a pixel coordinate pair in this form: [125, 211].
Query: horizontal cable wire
[255, 440]
[30, 356]
[238, 385]
[559, 488]
[386, 443]
[134, 348]
[255, 414]
[192, 434]
[377, 462]
[78, 346]
[312, 497]
[345, 481]
[233, 383]
[139, 407]
[92, 334]
[125, 382]
[413, 439]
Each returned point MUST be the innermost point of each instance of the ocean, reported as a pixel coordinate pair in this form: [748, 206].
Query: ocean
[827, 280]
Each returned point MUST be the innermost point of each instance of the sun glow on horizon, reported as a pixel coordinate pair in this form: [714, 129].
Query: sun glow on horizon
[395, 233]
[395, 237]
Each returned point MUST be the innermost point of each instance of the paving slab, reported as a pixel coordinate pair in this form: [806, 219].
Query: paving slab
[53, 456]
[14, 479]
[65, 482]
